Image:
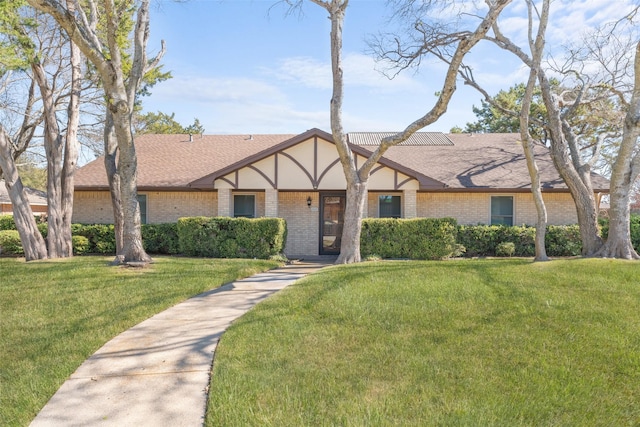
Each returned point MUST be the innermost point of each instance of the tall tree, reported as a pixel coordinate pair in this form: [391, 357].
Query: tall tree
[61, 146]
[520, 110]
[536, 46]
[120, 89]
[626, 166]
[500, 113]
[53, 64]
[163, 123]
[357, 178]
[586, 94]
[12, 58]
[32, 241]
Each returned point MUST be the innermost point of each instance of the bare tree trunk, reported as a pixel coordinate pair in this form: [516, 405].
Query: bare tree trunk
[623, 175]
[581, 191]
[536, 191]
[54, 148]
[110, 156]
[352, 228]
[32, 242]
[70, 148]
[537, 48]
[132, 249]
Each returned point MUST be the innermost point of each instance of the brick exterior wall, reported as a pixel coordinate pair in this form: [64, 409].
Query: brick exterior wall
[165, 207]
[94, 207]
[474, 208]
[302, 222]
[271, 203]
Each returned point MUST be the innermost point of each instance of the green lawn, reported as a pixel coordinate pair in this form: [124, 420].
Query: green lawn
[55, 314]
[455, 343]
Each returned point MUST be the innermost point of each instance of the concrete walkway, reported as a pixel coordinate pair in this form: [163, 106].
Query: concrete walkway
[157, 373]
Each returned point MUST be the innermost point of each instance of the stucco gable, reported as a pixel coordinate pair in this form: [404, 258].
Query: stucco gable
[309, 161]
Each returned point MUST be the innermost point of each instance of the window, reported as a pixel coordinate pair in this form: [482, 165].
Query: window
[142, 201]
[389, 207]
[244, 205]
[502, 210]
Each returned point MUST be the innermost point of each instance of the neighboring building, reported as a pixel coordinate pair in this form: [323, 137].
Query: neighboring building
[477, 179]
[37, 200]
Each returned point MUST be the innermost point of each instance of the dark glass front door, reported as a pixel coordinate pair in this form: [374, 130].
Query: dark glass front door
[331, 220]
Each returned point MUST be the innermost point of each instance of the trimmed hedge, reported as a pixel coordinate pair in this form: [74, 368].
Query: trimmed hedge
[385, 238]
[161, 238]
[484, 240]
[80, 245]
[223, 237]
[7, 222]
[101, 237]
[418, 238]
[10, 243]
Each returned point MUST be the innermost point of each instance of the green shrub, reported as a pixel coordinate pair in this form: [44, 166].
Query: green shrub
[43, 228]
[506, 249]
[563, 240]
[102, 238]
[417, 238]
[81, 245]
[10, 243]
[7, 223]
[483, 240]
[223, 237]
[160, 238]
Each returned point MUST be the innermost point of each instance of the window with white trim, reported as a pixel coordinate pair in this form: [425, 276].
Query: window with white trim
[502, 210]
[389, 206]
[244, 205]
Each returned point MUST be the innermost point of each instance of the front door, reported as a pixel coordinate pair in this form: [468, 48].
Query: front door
[331, 221]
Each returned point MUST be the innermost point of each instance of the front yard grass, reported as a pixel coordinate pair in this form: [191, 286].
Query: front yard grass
[55, 314]
[456, 343]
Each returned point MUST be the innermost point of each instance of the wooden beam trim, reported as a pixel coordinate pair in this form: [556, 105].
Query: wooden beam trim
[273, 184]
[302, 168]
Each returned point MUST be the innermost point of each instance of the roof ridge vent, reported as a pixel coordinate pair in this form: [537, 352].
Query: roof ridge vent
[418, 138]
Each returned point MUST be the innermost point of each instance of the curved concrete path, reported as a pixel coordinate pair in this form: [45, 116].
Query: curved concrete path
[157, 373]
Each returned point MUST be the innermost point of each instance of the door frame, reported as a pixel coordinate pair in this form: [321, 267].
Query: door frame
[322, 195]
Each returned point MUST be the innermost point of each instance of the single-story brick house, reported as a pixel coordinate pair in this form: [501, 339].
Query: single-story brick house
[37, 200]
[477, 179]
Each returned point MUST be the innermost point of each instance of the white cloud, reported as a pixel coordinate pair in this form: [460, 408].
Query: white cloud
[303, 70]
[359, 71]
[210, 90]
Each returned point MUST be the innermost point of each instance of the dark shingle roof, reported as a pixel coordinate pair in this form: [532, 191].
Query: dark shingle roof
[476, 161]
[172, 161]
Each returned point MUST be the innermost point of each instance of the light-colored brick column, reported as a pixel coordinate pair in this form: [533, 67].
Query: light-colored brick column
[271, 203]
[410, 203]
[224, 202]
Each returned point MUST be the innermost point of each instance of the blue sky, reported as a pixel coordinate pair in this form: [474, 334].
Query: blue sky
[243, 67]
